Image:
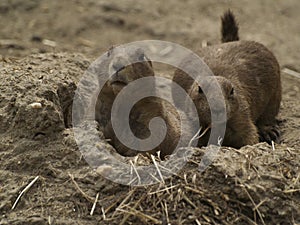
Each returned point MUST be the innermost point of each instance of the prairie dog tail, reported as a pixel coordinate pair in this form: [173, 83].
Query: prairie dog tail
[229, 29]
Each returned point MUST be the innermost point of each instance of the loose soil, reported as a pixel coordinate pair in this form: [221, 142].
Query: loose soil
[45, 47]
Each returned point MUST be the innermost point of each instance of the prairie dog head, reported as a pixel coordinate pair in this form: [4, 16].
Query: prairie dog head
[209, 100]
[127, 65]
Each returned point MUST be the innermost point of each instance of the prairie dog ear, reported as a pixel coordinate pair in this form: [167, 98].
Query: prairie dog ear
[144, 58]
[141, 56]
[110, 51]
[148, 60]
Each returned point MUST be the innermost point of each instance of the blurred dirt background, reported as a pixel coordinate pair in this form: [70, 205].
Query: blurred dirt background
[45, 47]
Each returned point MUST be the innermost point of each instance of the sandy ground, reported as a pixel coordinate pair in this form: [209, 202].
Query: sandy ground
[47, 45]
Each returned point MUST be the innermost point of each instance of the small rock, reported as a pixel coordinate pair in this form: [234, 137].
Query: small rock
[36, 105]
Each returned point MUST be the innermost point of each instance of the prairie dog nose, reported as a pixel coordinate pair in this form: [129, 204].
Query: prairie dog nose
[218, 109]
[219, 112]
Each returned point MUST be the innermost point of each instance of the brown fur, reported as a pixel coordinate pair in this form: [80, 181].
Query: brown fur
[249, 77]
[142, 112]
[119, 63]
[253, 73]
[229, 28]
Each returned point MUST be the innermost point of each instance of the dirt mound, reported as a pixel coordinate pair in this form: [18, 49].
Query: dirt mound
[253, 185]
[256, 184]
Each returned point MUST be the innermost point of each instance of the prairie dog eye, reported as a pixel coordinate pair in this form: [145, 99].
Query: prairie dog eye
[200, 91]
[231, 92]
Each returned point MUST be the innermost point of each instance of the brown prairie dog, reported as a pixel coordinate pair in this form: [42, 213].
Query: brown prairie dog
[249, 76]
